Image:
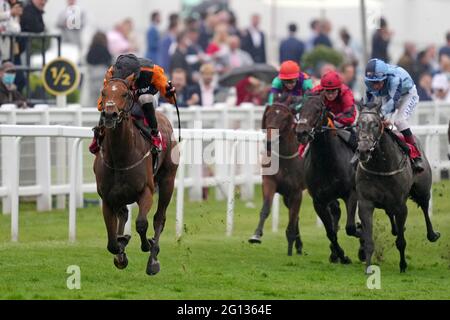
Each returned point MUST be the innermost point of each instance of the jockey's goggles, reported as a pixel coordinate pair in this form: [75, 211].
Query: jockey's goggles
[375, 76]
[289, 81]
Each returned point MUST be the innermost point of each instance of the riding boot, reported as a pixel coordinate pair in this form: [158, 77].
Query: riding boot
[150, 116]
[416, 162]
[94, 147]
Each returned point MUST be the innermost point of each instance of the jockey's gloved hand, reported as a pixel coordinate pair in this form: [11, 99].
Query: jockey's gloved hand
[331, 115]
[170, 90]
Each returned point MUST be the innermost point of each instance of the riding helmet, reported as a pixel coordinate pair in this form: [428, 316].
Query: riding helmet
[331, 80]
[289, 70]
[376, 70]
[126, 64]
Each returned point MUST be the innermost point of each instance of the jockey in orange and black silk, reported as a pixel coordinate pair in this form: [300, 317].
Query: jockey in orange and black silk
[149, 80]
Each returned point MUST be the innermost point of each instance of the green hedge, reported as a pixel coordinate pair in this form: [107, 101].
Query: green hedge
[37, 89]
[320, 55]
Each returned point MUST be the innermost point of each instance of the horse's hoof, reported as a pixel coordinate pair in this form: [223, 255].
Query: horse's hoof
[334, 258]
[153, 268]
[145, 247]
[434, 236]
[255, 239]
[361, 255]
[345, 260]
[121, 261]
[403, 267]
[299, 252]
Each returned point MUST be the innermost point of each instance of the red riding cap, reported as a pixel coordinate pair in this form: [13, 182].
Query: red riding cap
[331, 80]
[289, 70]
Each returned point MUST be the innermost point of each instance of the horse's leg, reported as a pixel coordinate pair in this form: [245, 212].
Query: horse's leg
[144, 203]
[292, 230]
[351, 228]
[166, 185]
[366, 209]
[269, 189]
[120, 259]
[335, 211]
[424, 204]
[111, 228]
[393, 223]
[298, 240]
[400, 217]
[327, 220]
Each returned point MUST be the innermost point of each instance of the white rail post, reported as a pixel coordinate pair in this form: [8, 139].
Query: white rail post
[275, 212]
[73, 190]
[15, 190]
[43, 163]
[180, 191]
[8, 157]
[231, 189]
[61, 157]
[79, 123]
[221, 167]
[196, 168]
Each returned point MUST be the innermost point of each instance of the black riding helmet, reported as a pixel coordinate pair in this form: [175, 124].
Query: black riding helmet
[126, 64]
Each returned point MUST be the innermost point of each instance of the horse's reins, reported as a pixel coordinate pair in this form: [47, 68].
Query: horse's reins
[402, 163]
[178, 113]
[318, 127]
[296, 154]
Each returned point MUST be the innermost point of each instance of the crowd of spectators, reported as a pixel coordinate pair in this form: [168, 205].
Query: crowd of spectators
[195, 52]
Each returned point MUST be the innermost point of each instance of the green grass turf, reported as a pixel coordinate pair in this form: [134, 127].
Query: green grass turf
[206, 264]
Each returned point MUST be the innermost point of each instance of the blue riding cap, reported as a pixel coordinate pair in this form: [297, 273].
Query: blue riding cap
[376, 70]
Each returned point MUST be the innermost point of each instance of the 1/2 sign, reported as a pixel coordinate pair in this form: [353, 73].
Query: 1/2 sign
[60, 77]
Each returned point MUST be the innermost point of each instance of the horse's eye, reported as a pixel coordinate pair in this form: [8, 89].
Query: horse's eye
[103, 94]
[124, 95]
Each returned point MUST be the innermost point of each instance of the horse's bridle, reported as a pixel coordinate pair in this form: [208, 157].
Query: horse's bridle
[318, 126]
[376, 140]
[124, 113]
[269, 143]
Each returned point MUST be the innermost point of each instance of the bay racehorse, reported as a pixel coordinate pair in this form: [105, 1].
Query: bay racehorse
[125, 174]
[288, 181]
[329, 176]
[385, 180]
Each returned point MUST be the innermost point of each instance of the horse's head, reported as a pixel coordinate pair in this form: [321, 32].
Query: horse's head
[370, 128]
[279, 115]
[312, 117]
[117, 100]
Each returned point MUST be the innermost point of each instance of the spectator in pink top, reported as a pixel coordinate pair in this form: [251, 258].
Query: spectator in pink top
[120, 39]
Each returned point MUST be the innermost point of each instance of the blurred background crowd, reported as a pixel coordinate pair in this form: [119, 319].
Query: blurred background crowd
[206, 40]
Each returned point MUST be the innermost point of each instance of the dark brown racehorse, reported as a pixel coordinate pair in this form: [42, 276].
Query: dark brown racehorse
[288, 181]
[124, 174]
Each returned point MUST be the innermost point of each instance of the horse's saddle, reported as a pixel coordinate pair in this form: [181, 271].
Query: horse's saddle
[346, 136]
[398, 138]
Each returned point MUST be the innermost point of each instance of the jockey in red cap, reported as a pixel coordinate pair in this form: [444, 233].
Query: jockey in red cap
[338, 99]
